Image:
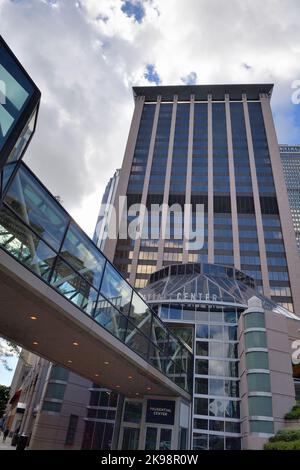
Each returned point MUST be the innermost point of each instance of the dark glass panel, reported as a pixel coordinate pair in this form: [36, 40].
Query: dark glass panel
[24, 245]
[140, 314]
[137, 341]
[73, 287]
[116, 289]
[110, 318]
[85, 258]
[37, 208]
[133, 412]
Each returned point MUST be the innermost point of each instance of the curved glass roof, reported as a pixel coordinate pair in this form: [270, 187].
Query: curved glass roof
[205, 283]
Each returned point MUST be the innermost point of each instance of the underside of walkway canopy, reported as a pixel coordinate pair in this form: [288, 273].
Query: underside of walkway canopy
[61, 298]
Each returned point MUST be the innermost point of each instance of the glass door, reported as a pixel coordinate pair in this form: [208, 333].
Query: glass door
[151, 438]
[165, 439]
[130, 438]
[158, 438]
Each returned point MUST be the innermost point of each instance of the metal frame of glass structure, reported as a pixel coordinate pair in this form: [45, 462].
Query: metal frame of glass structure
[37, 231]
[19, 103]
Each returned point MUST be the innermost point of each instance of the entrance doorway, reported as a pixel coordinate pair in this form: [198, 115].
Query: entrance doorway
[158, 438]
[130, 438]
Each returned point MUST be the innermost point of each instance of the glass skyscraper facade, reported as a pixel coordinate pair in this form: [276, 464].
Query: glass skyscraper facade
[19, 101]
[290, 157]
[216, 146]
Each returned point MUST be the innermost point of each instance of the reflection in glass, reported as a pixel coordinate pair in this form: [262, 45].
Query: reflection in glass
[110, 318]
[216, 349]
[202, 331]
[17, 90]
[202, 348]
[200, 441]
[37, 208]
[232, 409]
[73, 287]
[136, 340]
[140, 314]
[216, 332]
[216, 442]
[217, 407]
[80, 252]
[151, 435]
[161, 338]
[216, 425]
[130, 439]
[255, 339]
[201, 386]
[133, 412]
[6, 174]
[216, 387]
[116, 289]
[160, 361]
[24, 245]
[23, 139]
[258, 382]
[165, 439]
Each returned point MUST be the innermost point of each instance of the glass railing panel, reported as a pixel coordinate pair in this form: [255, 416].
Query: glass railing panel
[137, 341]
[16, 92]
[79, 267]
[81, 253]
[141, 315]
[24, 245]
[6, 174]
[157, 358]
[159, 334]
[73, 287]
[110, 318]
[23, 139]
[116, 289]
[37, 208]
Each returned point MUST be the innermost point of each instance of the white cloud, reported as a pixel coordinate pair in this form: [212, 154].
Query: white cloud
[85, 56]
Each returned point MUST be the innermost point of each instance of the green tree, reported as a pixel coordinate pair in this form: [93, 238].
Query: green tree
[4, 394]
[7, 350]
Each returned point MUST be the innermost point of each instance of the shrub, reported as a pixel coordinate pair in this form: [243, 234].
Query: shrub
[294, 413]
[283, 445]
[286, 435]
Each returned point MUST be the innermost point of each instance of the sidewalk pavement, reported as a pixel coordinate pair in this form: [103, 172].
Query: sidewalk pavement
[6, 445]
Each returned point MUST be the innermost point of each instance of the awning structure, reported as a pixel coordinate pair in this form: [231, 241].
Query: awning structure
[206, 283]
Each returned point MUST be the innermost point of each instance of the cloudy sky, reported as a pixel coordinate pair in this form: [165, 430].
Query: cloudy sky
[86, 55]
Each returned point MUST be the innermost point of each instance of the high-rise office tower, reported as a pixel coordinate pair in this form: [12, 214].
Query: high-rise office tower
[290, 157]
[105, 213]
[216, 146]
[220, 368]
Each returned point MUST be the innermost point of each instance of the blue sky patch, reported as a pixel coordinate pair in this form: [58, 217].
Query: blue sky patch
[133, 8]
[190, 79]
[151, 74]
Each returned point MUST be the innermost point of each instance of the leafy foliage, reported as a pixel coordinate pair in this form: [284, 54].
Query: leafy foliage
[285, 439]
[286, 434]
[283, 445]
[4, 394]
[294, 413]
[7, 350]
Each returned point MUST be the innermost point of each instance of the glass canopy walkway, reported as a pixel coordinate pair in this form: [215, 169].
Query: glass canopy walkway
[37, 232]
[59, 296]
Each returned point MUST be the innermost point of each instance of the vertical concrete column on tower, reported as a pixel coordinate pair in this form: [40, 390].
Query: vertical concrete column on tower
[110, 244]
[210, 182]
[291, 250]
[257, 208]
[234, 216]
[137, 244]
[164, 216]
[188, 185]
